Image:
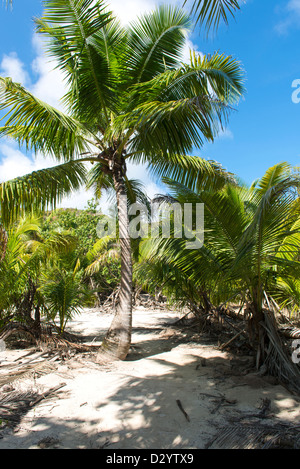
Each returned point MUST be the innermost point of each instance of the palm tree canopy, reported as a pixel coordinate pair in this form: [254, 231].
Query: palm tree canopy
[128, 94]
[251, 239]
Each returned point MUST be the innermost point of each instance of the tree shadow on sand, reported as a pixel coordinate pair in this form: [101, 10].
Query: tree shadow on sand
[138, 412]
[153, 400]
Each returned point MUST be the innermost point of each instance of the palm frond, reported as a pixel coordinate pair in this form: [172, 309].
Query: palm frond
[39, 190]
[97, 257]
[216, 75]
[178, 126]
[99, 179]
[37, 125]
[180, 109]
[73, 29]
[209, 13]
[191, 172]
[155, 43]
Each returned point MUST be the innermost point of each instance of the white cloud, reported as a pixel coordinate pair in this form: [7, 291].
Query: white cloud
[293, 7]
[128, 10]
[290, 17]
[49, 85]
[79, 200]
[14, 163]
[11, 66]
[139, 171]
[188, 47]
[226, 134]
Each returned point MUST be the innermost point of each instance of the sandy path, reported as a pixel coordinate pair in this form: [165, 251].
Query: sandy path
[132, 404]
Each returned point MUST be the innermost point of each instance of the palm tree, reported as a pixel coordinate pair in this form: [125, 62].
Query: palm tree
[28, 254]
[252, 236]
[13, 268]
[250, 253]
[65, 293]
[129, 98]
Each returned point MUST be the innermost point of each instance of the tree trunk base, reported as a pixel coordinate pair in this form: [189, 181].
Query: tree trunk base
[110, 352]
[117, 342]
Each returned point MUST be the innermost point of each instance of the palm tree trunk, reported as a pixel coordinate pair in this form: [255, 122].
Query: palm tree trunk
[3, 243]
[117, 341]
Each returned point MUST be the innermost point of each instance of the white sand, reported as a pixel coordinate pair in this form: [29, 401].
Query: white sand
[132, 404]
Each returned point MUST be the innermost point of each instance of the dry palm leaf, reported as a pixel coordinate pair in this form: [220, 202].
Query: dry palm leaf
[256, 437]
[278, 362]
[26, 371]
[14, 405]
[290, 332]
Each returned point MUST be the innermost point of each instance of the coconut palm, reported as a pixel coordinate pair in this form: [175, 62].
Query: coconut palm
[28, 254]
[129, 98]
[64, 293]
[13, 268]
[252, 236]
[250, 252]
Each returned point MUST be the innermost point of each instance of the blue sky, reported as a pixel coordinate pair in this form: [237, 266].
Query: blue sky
[262, 131]
[265, 129]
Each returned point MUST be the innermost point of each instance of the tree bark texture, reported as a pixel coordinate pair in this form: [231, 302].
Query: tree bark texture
[117, 341]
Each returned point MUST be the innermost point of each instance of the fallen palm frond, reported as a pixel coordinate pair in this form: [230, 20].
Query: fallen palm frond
[289, 331]
[278, 362]
[233, 332]
[19, 330]
[257, 437]
[15, 404]
[48, 337]
[16, 373]
[139, 299]
[62, 343]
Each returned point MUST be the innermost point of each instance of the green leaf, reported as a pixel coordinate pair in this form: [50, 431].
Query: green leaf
[37, 125]
[73, 29]
[209, 13]
[39, 190]
[155, 43]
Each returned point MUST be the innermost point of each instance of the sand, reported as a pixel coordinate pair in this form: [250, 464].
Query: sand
[134, 404]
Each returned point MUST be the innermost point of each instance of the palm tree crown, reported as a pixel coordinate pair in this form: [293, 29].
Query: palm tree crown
[129, 97]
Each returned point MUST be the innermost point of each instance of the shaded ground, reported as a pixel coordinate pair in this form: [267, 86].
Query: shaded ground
[172, 392]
